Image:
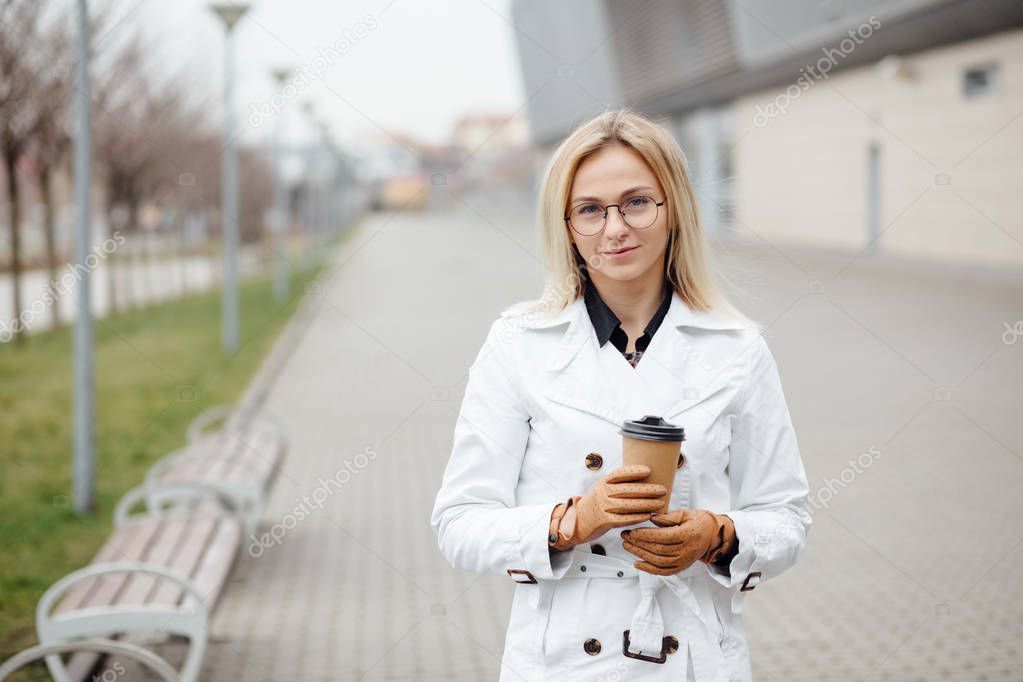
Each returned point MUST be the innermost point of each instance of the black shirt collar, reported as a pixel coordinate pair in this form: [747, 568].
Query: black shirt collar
[607, 325]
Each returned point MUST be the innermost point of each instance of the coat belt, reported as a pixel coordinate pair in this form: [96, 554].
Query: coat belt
[700, 625]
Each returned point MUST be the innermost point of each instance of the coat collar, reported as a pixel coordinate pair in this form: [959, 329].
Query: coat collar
[679, 316]
[675, 376]
[605, 321]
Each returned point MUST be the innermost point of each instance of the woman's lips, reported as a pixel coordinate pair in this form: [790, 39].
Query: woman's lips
[618, 255]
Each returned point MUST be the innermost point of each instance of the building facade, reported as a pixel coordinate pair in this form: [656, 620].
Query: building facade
[869, 126]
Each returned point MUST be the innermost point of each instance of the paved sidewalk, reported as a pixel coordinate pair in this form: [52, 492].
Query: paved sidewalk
[912, 566]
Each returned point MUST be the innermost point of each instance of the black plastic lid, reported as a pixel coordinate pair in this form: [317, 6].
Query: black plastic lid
[652, 428]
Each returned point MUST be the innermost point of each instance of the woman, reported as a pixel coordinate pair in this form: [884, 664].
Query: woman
[630, 325]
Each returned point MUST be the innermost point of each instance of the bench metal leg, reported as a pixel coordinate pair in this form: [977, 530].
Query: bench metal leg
[189, 620]
[248, 497]
[199, 426]
[156, 494]
[98, 646]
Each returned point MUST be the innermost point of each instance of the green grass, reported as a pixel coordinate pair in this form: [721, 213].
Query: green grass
[143, 360]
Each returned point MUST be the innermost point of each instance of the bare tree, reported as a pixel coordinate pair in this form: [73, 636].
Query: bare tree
[185, 146]
[119, 153]
[52, 142]
[19, 67]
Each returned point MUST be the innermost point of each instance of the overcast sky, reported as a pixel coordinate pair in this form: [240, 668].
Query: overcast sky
[410, 66]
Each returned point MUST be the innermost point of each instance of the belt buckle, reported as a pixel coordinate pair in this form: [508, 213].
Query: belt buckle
[746, 587]
[530, 579]
[644, 657]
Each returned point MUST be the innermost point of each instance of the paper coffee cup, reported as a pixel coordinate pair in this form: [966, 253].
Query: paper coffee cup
[657, 444]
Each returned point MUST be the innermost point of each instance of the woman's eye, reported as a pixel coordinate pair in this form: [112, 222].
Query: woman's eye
[587, 209]
[638, 202]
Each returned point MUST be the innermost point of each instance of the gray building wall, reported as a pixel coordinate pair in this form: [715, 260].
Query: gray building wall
[703, 67]
[568, 63]
[671, 57]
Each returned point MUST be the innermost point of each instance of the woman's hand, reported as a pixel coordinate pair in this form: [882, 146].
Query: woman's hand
[614, 501]
[684, 536]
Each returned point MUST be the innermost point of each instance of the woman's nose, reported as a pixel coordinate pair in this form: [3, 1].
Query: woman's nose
[616, 226]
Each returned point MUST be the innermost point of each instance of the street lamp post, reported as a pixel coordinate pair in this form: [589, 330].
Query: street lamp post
[280, 225]
[84, 465]
[229, 14]
[312, 188]
[326, 191]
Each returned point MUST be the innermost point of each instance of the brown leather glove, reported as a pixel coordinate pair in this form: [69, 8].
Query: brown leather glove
[557, 514]
[613, 501]
[684, 536]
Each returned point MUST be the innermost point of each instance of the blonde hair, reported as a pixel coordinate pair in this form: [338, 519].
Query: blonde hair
[687, 264]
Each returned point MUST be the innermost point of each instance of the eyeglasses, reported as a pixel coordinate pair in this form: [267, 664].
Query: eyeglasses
[589, 219]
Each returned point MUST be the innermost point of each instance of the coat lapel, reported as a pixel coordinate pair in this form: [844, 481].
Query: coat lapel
[576, 378]
[678, 376]
[672, 376]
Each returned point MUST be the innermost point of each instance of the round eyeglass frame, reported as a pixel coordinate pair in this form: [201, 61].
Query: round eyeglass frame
[657, 207]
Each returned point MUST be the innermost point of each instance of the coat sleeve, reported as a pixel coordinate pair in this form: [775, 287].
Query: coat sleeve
[478, 524]
[769, 490]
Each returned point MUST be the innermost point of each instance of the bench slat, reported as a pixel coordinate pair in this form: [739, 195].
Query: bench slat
[225, 460]
[211, 574]
[138, 586]
[195, 465]
[112, 550]
[260, 457]
[129, 543]
[186, 559]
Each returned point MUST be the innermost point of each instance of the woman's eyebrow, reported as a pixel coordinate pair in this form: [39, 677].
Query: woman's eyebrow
[628, 191]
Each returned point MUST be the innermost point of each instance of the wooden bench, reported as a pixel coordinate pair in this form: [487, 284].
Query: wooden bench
[242, 457]
[161, 571]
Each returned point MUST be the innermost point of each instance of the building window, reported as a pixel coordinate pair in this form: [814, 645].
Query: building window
[979, 81]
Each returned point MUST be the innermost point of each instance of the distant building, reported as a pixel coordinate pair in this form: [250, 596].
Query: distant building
[491, 132]
[881, 126]
[495, 150]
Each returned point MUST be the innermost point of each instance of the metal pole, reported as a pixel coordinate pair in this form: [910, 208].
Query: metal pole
[83, 485]
[280, 224]
[312, 186]
[306, 217]
[229, 13]
[321, 210]
[332, 203]
[324, 154]
[229, 210]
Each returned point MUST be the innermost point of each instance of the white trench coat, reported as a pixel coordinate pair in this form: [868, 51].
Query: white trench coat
[540, 422]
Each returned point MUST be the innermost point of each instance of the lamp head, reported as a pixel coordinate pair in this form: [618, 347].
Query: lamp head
[229, 12]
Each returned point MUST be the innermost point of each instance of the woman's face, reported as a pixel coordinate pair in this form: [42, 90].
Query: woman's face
[614, 175]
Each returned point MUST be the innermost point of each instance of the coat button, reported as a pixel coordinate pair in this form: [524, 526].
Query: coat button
[681, 461]
[671, 644]
[594, 461]
[592, 646]
[598, 549]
